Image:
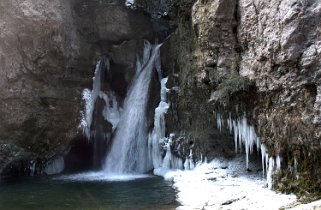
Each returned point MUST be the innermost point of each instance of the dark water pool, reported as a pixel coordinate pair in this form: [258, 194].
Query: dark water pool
[52, 193]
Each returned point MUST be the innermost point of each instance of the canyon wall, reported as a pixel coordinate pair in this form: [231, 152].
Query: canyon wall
[256, 59]
[48, 53]
[247, 58]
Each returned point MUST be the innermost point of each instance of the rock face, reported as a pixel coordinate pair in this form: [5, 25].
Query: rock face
[240, 58]
[48, 52]
[255, 58]
[37, 49]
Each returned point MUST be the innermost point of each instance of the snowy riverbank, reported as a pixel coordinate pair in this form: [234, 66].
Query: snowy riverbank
[221, 185]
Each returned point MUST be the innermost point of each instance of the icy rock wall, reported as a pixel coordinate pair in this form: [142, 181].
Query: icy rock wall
[160, 146]
[257, 57]
[245, 137]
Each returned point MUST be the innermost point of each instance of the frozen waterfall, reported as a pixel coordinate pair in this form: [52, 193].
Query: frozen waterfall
[129, 150]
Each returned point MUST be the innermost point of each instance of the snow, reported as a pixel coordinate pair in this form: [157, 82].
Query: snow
[220, 185]
[308, 206]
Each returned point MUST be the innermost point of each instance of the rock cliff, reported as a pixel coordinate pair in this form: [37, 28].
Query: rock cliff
[227, 59]
[256, 59]
[48, 52]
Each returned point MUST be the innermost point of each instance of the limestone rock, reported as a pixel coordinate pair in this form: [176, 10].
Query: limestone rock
[274, 48]
[48, 52]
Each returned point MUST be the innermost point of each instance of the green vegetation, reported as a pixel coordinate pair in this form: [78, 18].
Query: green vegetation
[230, 87]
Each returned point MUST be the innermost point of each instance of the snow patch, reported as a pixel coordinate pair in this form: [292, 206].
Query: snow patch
[215, 186]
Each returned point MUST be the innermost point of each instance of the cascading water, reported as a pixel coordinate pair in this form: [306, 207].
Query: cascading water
[129, 150]
[101, 114]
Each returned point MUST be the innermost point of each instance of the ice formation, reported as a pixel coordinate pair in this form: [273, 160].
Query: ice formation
[111, 111]
[245, 136]
[189, 163]
[129, 3]
[90, 96]
[157, 138]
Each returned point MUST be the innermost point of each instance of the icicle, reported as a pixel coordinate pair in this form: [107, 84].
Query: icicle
[186, 164]
[235, 135]
[219, 121]
[278, 162]
[258, 142]
[270, 173]
[264, 159]
[230, 123]
[295, 167]
[191, 162]
[239, 128]
[245, 136]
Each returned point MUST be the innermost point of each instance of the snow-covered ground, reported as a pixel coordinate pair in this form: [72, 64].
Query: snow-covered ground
[221, 184]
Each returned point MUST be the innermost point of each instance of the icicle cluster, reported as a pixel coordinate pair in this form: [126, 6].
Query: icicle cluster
[245, 136]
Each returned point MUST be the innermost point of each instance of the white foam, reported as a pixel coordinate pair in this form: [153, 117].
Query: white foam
[102, 176]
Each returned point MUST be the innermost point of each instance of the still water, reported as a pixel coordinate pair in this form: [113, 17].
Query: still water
[61, 193]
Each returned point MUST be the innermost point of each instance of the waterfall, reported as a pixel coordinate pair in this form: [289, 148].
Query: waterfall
[128, 152]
